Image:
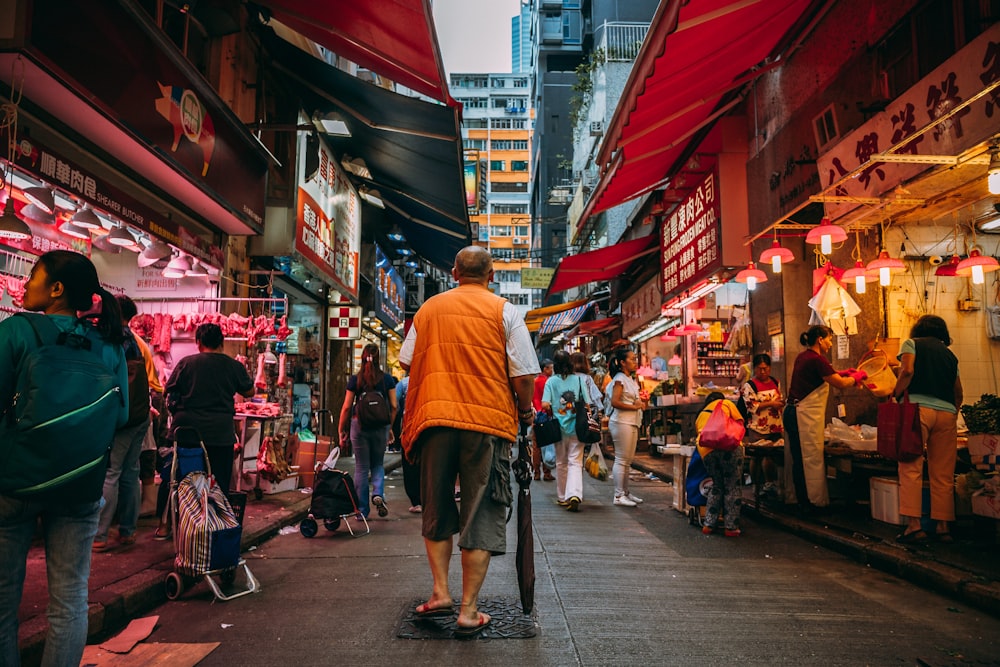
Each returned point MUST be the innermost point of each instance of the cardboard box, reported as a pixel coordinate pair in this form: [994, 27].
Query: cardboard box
[311, 452]
[984, 444]
[986, 463]
[988, 506]
[884, 498]
[680, 477]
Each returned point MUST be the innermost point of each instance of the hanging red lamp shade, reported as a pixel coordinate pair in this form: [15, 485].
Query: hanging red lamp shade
[692, 328]
[751, 276]
[668, 337]
[950, 268]
[886, 267]
[825, 234]
[977, 265]
[776, 256]
[860, 275]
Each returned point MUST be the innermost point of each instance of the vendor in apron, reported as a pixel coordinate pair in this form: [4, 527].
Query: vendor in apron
[804, 418]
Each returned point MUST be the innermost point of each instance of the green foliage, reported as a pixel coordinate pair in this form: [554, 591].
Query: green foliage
[984, 415]
[584, 85]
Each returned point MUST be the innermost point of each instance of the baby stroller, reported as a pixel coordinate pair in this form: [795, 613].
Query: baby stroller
[207, 526]
[333, 499]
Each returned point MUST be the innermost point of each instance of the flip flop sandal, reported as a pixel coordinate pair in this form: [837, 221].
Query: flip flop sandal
[462, 632]
[433, 612]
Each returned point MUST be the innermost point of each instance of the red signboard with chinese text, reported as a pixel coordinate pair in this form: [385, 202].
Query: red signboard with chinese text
[690, 239]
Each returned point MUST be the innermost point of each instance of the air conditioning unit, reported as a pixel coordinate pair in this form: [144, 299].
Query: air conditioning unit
[596, 128]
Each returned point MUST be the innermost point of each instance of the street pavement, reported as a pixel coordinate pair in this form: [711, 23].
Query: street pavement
[615, 586]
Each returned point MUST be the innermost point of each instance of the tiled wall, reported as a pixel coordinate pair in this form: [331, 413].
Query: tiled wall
[919, 291]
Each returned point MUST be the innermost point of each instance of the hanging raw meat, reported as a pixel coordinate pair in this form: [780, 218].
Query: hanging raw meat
[166, 334]
[283, 331]
[142, 325]
[15, 287]
[259, 380]
[157, 330]
[282, 378]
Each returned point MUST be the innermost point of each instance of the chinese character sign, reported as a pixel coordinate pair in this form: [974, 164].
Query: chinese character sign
[689, 240]
[328, 220]
[641, 307]
[934, 97]
[390, 291]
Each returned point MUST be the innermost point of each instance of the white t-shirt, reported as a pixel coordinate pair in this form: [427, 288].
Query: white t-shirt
[520, 352]
[630, 394]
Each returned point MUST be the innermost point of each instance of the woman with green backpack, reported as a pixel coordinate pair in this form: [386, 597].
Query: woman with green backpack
[45, 355]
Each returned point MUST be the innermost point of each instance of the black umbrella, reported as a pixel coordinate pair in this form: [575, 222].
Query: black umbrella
[525, 538]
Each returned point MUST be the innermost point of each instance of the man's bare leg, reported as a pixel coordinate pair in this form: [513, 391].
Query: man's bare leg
[439, 557]
[475, 563]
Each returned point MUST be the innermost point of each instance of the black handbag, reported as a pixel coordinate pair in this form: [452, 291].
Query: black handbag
[547, 431]
[588, 425]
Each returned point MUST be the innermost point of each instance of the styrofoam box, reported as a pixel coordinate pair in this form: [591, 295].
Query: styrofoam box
[984, 505]
[884, 496]
[984, 444]
[290, 483]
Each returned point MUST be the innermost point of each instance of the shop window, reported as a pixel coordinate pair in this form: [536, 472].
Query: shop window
[825, 128]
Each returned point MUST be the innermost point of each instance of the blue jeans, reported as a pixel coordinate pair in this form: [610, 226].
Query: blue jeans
[68, 529]
[369, 459]
[121, 482]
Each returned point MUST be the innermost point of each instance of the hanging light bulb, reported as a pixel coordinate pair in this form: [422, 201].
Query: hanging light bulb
[269, 357]
[977, 265]
[197, 270]
[86, 218]
[858, 273]
[825, 234]
[11, 226]
[751, 276]
[950, 268]
[777, 256]
[993, 171]
[120, 236]
[177, 267]
[886, 267]
[72, 229]
[42, 197]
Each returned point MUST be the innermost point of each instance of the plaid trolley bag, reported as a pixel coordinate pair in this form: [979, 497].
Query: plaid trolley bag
[207, 527]
[333, 499]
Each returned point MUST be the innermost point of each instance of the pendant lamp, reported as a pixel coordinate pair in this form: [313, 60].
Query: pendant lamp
[120, 236]
[42, 197]
[861, 276]
[950, 268]
[197, 270]
[977, 265]
[751, 276]
[886, 267]
[777, 256]
[86, 218]
[177, 267]
[71, 229]
[11, 226]
[825, 234]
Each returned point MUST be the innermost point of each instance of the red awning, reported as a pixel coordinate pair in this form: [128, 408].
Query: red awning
[603, 264]
[599, 326]
[693, 56]
[394, 38]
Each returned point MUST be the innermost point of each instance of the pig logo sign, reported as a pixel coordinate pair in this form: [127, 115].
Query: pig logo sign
[189, 117]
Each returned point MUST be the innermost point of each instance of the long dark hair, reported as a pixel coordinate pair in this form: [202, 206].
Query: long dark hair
[371, 371]
[80, 283]
[561, 364]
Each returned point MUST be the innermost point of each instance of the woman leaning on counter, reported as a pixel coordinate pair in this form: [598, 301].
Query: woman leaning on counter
[804, 418]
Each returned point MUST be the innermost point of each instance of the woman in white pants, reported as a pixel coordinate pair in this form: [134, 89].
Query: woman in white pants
[564, 392]
[624, 421]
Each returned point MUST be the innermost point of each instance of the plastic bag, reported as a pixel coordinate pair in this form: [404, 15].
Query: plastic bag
[595, 464]
[549, 456]
[721, 431]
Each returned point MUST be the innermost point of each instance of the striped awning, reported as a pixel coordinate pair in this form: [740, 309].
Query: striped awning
[534, 318]
[564, 320]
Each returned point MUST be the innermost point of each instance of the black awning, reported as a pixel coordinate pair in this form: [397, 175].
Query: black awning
[412, 148]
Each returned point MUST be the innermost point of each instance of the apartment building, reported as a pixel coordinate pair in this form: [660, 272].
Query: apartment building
[496, 136]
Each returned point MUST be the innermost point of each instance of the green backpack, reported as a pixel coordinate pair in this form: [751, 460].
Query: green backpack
[61, 421]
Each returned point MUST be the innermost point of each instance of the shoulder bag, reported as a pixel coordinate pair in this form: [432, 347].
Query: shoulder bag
[899, 434]
[588, 426]
[547, 431]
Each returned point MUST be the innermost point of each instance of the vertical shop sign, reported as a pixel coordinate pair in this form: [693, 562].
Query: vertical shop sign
[390, 291]
[960, 77]
[641, 307]
[690, 238]
[328, 219]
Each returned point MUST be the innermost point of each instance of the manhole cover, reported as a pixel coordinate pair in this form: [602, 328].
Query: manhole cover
[508, 622]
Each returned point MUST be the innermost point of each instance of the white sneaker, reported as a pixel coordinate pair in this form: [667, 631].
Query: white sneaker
[624, 500]
[634, 499]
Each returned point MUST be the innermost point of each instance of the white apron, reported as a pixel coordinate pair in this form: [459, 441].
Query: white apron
[811, 414]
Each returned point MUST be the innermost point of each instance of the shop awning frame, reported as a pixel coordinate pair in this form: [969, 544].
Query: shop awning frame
[393, 38]
[603, 264]
[412, 148]
[566, 319]
[691, 69]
